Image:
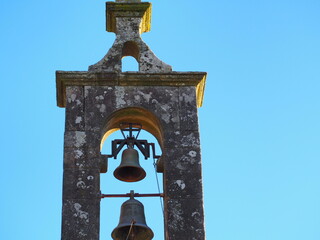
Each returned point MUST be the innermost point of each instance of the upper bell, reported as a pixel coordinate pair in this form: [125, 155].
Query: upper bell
[129, 169]
[132, 224]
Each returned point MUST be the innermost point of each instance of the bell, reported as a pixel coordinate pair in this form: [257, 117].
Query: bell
[129, 169]
[132, 224]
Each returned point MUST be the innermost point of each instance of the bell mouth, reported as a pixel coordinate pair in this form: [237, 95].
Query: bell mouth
[132, 224]
[138, 231]
[129, 174]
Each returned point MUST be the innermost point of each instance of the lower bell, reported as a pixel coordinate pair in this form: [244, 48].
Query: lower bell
[132, 224]
[129, 169]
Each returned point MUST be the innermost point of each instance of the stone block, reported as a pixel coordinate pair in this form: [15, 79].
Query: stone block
[74, 139]
[81, 184]
[74, 108]
[182, 173]
[98, 106]
[124, 97]
[183, 159]
[101, 102]
[82, 158]
[185, 219]
[188, 109]
[161, 101]
[164, 103]
[177, 139]
[188, 186]
[93, 139]
[74, 158]
[80, 219]
[171, 137]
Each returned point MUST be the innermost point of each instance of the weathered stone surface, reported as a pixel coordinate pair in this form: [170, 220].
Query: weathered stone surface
[127, 8]
[109, 79]
[93, 139]
[188, 186]
[185, 219]
[82, 158]
[74, 158]
[129, 43]
[102, 101]
[188, 109]
[182, 173]
[98, 105]
[183, 159]
[74, 139]
[128, 21]
[81, 184]
[74, 108]
[163, 102]
[176, 139]
[80, 219]
[128, 1]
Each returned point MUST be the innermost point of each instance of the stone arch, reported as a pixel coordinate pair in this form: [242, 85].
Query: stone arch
[131, 48]
[146, 118]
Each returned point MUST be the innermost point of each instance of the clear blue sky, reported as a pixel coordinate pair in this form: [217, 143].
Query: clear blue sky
[260, 122]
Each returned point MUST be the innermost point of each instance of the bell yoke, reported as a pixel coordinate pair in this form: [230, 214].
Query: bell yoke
[129, 169]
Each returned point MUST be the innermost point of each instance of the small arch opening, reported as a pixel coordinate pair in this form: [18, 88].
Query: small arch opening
[130, 48]
[129, 64]
[130, 57]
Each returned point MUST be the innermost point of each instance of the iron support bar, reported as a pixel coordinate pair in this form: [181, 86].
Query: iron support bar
[134, 195]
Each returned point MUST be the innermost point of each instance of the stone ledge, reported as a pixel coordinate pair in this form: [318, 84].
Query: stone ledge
[84, 78]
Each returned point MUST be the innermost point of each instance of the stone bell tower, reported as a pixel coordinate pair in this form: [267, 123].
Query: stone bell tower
[164, 102]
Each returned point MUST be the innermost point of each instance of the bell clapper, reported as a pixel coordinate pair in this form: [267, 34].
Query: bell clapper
[131, 230]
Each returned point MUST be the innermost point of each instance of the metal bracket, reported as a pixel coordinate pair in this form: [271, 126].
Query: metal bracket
[131, 140]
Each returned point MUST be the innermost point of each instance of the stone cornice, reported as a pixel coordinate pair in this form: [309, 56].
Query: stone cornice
[142, 10]
[83, 78]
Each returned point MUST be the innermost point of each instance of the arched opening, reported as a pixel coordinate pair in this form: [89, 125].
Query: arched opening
[129, 64]
[130, 57]
[110, 207]
[130, 48]
[147, 119]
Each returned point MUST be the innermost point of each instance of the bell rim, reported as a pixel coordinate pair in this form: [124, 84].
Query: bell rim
[141, 177]
[151, 234]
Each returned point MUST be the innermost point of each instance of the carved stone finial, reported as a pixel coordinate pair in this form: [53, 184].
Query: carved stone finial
[128, 19]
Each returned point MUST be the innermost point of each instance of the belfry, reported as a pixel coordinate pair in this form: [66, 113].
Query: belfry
[155, 98]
